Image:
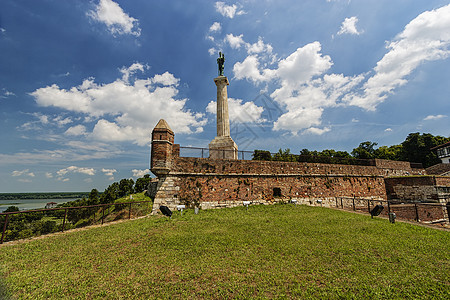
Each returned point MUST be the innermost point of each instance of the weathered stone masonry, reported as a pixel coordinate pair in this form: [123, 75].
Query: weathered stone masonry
[213, 183]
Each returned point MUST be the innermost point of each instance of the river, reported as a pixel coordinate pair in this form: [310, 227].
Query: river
[27, 204]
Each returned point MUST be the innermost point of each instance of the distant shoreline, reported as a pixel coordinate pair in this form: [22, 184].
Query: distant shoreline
[49, 195]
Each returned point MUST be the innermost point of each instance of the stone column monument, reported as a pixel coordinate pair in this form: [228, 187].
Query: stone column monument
[223, 146]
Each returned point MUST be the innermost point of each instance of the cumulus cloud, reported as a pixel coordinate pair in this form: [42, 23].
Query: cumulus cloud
[228, 11]
[76, 130]
[48, 175]
[316, 131]
[25, 172]
[239, 112]
[117, 21]
[74, 169]
[140, 173]
[425, 38]
[125, 109]
[349, 26]
[216, 26]
[434, 117]
[235, 41]
[109, 172]
[306, 88]
[388, 130]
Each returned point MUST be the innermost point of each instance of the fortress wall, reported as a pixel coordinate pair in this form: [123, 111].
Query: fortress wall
[212, 183]
[417, 188]
[191, 165]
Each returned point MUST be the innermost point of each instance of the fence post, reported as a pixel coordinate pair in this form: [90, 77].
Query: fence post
[417, 212]
[336, 202]
[129, 212]
[202, 152]
[353, 200]
[389, 207]
[64, 222]
[368, 205]
[342, 205]
[103, 214]
[4, 228]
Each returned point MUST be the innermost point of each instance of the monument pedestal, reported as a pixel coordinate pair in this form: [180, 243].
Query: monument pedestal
[223, 147]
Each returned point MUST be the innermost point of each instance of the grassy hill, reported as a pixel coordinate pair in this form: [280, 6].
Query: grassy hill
[266, 252]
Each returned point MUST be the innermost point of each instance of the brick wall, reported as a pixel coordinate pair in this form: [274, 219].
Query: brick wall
[211, 183]
[418, 188]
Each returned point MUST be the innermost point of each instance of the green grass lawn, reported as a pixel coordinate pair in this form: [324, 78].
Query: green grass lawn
[280, 251]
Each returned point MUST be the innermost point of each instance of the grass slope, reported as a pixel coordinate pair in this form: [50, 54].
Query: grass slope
[266, 252]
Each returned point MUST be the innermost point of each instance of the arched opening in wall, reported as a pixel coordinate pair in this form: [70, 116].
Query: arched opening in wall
[276, 192]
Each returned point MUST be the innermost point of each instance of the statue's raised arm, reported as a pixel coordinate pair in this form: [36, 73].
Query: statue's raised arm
[221, 62]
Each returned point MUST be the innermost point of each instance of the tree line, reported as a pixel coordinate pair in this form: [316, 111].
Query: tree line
[37, 223]
[416, 148]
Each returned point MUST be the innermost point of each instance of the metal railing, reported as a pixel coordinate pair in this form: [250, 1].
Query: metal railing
[249, 155]
[68, 210]
[408, 210]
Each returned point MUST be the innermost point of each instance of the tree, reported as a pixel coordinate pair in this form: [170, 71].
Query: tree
[261, 155]
[416, 148]
[365, 150]
[391, 153]
[93, 197]
[285, 155]
[125, 187]
[142, 183]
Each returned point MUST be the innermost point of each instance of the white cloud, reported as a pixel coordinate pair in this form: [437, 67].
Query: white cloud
[76, 130]
[259, 47]
[249, 69]
[305, 90]
[228, 11]
[48, 175]
[425, 38]
[5, 93]
[131, 70]
[2, 30]
[235, 41]
[349, 26]
[110, 173]
[316, 131]
[216, 26]
[434, 117]
[73, 169]
[140, 173]
[125, 109]
[25, 172]
[388, 130]
[212, 51]
[117, 21]
[247, 112]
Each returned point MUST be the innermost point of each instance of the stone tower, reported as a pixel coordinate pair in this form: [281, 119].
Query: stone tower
[162, 148]
[223, 146]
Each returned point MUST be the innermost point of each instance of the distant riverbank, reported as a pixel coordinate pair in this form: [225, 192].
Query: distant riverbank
[27, 201]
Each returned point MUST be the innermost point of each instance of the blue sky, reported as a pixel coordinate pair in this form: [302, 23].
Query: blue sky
[83, 83]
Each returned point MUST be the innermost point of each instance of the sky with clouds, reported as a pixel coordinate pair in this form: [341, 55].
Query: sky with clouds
[83, 83]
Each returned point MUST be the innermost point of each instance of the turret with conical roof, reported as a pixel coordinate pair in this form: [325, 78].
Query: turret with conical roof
[162, 146]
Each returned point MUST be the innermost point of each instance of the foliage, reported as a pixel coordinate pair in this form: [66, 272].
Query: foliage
[261, 155]
[142, 183]
[365, 150]
[416, 148]
[126, 187]
[279, 251]
[284, 155]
